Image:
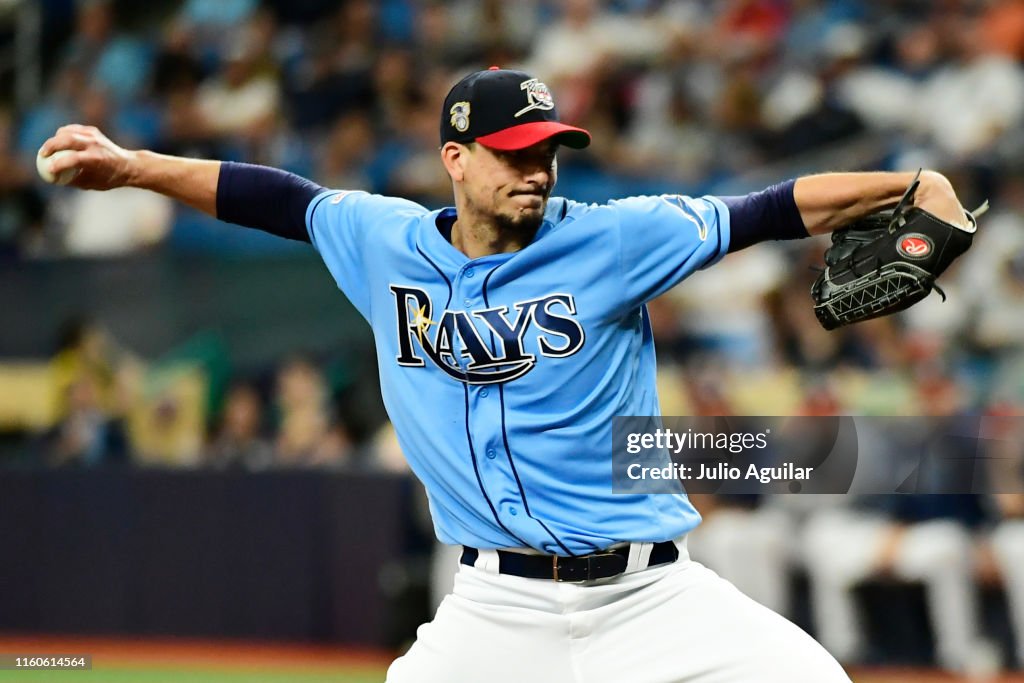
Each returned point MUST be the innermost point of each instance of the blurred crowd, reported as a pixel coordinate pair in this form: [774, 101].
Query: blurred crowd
[683, 96]
[690, 96]
[104, 406]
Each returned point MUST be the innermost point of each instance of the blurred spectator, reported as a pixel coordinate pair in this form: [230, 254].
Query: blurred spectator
[86, 436]
[884, 95]
[334, 73]
[355, 24]
[117, 63]
[238, 441]
[1000, 326]
[167, 420]
[805, 110]
[177, 74]
[979, 96]
[209, 21]
[736, 112]
[396, 90]
[1002, 28]
[346, 153]
[415, 172]
[386, 453]
[306, 434]
[667, 136]
[991, 276]
[1003, 440]
[459, 32]
[86, 350]
[798, 337]
[240, 101]
[176, 68]
[741, 333]
[1008, 552]
[586, 34]
[749, 539]
[751, 28]
[114, 223]
[581, 55]
[909, 537]
[809, 31]
[748, 544]
[22, 207]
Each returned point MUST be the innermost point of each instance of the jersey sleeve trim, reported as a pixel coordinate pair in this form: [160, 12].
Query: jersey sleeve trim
[315, 203]
[724, 231]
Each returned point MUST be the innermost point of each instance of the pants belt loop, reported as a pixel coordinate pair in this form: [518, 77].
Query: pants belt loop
[633, 559]
[639, 556]
[684, 553]
[644, 558]
[487, 561]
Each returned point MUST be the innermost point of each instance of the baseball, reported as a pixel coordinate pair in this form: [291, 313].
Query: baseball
[43, 167]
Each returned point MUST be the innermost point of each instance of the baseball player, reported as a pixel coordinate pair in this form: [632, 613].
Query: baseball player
[510, 329]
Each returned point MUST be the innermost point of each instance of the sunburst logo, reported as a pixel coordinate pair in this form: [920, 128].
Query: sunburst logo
[420, 320]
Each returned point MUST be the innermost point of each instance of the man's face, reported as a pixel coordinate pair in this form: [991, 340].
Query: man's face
[511, 187]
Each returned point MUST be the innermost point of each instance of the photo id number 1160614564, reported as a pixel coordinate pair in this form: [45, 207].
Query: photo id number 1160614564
[26, 662]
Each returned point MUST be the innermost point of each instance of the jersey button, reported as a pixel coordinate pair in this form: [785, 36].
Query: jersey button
[484, 393]
[468, 302]
[491, 453]
[512, 511]
[470, 273]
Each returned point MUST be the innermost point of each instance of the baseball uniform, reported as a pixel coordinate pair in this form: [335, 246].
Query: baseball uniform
[502, 375]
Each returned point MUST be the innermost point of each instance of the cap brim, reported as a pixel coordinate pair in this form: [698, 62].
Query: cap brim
[529, 134]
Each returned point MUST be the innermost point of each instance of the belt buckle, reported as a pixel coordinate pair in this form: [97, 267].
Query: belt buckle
[590, 559]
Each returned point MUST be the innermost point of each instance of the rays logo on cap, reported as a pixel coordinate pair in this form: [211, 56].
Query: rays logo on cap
[460, 116]
[538, 96]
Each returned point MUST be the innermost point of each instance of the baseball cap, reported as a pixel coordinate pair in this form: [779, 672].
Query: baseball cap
[505, 109]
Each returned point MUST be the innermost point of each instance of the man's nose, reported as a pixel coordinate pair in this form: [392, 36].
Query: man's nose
[538, 175]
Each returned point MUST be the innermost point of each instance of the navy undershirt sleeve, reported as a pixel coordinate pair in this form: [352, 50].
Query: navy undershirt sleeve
[265, 198]
[770, 214]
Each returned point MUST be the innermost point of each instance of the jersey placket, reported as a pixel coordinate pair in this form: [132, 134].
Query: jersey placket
[484, 408]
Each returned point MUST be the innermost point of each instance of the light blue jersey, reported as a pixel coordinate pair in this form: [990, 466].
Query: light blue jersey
[502, 374]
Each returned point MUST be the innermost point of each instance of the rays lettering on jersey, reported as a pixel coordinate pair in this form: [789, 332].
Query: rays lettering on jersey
[455, 342]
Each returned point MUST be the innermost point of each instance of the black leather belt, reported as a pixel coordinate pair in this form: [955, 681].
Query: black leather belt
[601, 565]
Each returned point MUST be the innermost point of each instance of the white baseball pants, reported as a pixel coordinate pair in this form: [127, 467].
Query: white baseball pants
[677, 623]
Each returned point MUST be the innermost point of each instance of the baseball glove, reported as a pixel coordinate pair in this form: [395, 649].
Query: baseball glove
[887, 262]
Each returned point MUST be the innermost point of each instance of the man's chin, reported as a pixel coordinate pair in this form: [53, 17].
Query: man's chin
[524, 220]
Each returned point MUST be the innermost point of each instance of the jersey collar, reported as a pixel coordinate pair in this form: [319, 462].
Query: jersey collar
[436, 231]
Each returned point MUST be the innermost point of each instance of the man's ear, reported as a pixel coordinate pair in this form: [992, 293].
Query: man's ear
[454, 157]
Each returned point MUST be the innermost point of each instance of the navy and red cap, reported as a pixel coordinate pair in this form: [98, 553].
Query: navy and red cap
[505, 109]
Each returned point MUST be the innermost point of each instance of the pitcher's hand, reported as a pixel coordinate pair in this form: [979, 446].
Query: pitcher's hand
[102, 164]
